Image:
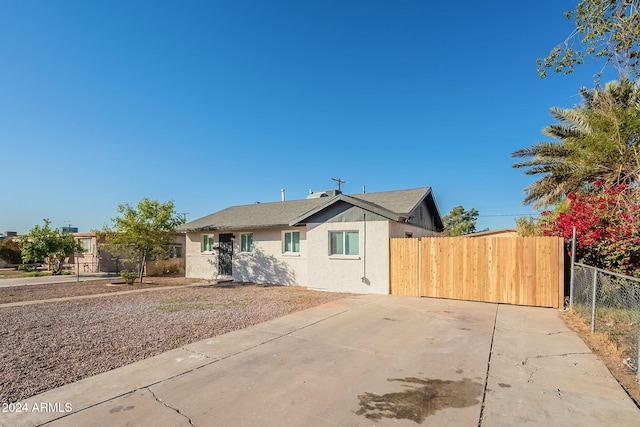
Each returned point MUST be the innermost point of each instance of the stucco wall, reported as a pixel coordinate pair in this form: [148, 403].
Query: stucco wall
[199, 265]
[368, 272]
[266, 264]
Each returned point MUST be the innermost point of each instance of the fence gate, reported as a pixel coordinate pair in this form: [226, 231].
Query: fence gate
[511, 270]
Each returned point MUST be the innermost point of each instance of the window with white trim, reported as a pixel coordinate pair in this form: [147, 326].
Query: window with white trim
[291, 242]
[207, 243]
[246, 242]
[344, 242]
[85, 244]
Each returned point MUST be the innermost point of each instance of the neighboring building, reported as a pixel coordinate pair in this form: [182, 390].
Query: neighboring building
[95, 259]
[87, 261]
[336, 242]
[8, 234]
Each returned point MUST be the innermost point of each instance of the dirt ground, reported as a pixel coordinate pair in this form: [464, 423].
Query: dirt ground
[610, 353]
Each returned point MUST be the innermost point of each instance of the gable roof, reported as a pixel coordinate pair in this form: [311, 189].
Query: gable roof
[257, 215]
[352, 201]
[404, 201]
[394, 205]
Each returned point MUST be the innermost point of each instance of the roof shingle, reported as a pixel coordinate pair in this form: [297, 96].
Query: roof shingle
[281, 214]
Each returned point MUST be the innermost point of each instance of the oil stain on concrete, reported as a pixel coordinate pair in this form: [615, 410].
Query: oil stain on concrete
[420, 398]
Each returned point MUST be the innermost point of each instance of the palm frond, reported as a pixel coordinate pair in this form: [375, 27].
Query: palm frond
[596, 140]
[574, 118]
[546, 149]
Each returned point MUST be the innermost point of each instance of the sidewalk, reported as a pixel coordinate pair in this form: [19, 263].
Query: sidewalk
[23, 281]
[107, 294]
[361, 361]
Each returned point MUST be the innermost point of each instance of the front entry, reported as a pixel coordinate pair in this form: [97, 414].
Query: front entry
[225, 255]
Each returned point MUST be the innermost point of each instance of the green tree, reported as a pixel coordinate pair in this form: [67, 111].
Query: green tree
[597, 140]
[10, 251]
[49, 245]
[143, 232]
[604, 29]
[460, 222]
[528, 226]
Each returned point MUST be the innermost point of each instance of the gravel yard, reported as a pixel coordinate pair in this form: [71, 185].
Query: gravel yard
[62, 290]
[44, 346]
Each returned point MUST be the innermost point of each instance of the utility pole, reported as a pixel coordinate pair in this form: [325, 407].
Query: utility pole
[339, 181]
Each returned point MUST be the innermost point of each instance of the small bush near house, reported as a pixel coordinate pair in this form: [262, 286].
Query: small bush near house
[168, 267]
[173, 269]
[128, 276]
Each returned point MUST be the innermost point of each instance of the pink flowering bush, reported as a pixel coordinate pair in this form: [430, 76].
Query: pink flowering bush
[607, 223]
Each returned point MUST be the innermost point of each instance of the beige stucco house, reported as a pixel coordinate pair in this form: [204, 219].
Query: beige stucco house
[337, 242]
[94, 258]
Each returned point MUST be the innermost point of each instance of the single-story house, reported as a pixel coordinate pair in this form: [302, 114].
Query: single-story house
[94, 258]
[328, 241]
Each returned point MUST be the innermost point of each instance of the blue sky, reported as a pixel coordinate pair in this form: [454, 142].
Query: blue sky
[219, 103]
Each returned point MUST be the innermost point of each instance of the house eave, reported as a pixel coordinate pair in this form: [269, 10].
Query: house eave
[354, 201]
[236, 228]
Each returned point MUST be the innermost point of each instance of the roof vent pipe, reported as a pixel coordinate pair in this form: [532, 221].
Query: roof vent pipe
[282, 193]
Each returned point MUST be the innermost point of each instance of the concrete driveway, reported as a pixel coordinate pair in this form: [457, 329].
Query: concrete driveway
[361, 361]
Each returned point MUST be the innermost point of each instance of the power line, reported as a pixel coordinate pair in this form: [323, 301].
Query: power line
[523, 214]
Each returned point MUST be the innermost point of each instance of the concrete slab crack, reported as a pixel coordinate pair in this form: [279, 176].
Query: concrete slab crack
[561, 355]
[170, 407]
[196, 354]
[486, 379]
[543, 356]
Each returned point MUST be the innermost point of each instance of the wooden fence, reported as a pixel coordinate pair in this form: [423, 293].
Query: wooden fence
[512, 270]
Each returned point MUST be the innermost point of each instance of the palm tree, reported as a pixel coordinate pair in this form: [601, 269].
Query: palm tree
[597, 140]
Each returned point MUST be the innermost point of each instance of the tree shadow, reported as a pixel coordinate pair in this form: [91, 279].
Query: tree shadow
[262, 268]
[232, 284]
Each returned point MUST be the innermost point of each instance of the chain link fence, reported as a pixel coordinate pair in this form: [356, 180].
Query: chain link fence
[612, 303]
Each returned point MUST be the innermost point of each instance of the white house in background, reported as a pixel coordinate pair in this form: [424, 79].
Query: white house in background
[329, 241]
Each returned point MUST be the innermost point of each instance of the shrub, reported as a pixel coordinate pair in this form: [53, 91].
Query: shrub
[10, 251]
[607, 222]
[39, 273]
[128, 276]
